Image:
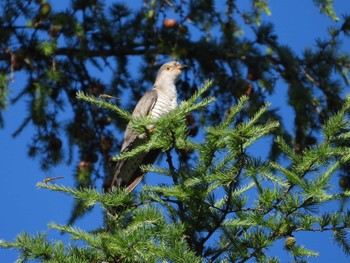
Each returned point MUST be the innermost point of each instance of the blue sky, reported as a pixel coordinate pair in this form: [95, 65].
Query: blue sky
[25, 208]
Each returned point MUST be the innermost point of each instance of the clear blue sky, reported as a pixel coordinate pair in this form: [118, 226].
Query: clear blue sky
[26, 208]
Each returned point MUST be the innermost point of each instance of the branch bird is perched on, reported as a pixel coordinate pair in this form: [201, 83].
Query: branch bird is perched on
[161, 99]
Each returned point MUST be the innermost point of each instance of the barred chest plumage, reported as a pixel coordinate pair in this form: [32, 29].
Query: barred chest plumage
[166, 102]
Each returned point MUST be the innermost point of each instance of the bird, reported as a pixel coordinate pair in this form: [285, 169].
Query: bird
[159, 100]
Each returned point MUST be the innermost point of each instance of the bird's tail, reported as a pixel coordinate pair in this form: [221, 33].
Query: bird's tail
[128, 173]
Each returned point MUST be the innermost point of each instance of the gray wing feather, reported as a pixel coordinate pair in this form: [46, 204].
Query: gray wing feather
[127, 172]
[142, 108]
[146, 103]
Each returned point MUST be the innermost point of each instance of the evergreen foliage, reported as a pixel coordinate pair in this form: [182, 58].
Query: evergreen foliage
[229, 205]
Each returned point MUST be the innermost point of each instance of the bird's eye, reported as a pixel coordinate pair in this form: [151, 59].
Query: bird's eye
[167, 68]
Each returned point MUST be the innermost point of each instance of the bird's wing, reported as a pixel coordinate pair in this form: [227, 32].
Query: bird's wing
[127, 171]
[146, 103]
[142, 108]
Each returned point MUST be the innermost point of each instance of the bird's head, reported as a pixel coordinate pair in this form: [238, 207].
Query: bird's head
[170, 72]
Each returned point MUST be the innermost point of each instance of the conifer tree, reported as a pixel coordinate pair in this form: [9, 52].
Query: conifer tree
[229, 205]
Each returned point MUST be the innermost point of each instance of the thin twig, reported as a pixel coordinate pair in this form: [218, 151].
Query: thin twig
[49, 179]
[106, 96]
[309, 77]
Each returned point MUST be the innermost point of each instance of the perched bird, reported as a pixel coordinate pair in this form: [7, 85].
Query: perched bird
[161, 99]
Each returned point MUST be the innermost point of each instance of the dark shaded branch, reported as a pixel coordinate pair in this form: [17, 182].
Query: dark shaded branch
[88, 53]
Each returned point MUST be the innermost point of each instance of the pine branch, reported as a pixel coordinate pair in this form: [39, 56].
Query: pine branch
[90, 197]
[104, 104]
[300, 251]
[77, 234]
[234, 111]
[340, 236]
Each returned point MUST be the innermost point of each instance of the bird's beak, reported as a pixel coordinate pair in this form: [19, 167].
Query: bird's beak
[181, 67]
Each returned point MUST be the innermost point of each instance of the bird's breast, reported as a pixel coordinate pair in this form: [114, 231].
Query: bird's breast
[165, 103]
